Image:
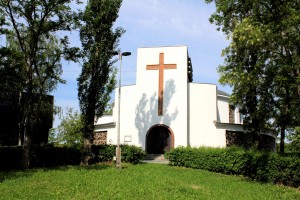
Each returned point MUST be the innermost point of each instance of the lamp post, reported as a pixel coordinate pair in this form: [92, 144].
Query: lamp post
[118, 149]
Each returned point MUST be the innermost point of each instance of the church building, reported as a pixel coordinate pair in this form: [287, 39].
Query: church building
[165, 109]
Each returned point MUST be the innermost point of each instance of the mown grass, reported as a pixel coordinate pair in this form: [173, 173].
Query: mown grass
[143, 181]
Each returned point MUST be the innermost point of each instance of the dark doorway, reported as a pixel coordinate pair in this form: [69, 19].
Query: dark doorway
[159, 140]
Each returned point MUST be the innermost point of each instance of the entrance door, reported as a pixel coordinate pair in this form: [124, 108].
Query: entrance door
[158, 140]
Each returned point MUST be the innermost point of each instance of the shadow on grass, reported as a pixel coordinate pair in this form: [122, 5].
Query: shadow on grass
[15, 174]
[8, 175]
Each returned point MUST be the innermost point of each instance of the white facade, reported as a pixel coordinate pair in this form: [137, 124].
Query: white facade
[192, 114]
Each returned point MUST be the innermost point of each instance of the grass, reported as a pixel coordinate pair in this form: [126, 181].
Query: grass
[143, 181]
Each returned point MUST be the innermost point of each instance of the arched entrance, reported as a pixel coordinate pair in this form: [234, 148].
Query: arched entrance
[159, 139]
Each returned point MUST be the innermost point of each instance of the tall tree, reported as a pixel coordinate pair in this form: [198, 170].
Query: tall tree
[96, 80]
[262, 62]
[30, 27]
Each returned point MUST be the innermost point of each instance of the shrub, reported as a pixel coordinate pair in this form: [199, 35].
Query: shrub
[10, 157]
[131, 154]
[53, 156]
[41, 156]
[261, 166]
[103, 153]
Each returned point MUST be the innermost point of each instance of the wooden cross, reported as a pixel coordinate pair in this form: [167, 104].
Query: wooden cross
[160, 67]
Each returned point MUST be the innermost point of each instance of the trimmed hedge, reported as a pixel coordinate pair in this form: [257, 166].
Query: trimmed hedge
[53, 156]
[261, 166]
[10, 157]
[129, 153]
[41, 156]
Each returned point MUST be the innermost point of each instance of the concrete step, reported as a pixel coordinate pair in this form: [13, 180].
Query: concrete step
[156, 157]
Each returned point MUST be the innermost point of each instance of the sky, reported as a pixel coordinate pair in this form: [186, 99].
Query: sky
[155, 23]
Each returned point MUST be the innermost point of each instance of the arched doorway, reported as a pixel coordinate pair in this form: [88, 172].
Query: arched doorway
[159, 139]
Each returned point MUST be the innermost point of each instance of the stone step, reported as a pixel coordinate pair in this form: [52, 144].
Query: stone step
[156, 157]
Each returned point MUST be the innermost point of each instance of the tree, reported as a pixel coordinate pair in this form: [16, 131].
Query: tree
[262, 62]
[69, 130]
[294, 137]
[30, 27]
[11, 74]
[96, 80]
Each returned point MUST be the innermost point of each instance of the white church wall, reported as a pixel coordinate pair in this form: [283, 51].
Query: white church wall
[237, 116]
[175, 92]
[203, 113]
[190, 110]
[105, 119]
[128, 131]
[223, 109]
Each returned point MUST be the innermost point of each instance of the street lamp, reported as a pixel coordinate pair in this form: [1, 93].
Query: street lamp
[118, 149]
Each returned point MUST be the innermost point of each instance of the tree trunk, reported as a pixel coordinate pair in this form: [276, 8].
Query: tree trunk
[87, 154]
[282, 137]
[26, 146]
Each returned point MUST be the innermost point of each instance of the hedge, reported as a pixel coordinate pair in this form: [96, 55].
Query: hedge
[41, 156]
[129, 153]
[53, 156]
[261, 166]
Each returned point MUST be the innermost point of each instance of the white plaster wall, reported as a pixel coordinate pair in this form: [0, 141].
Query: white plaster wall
[105, 119]
[127, 117]
[139, 103]
[223, 109]
[236, 116]
[203, 113]
[175, 92]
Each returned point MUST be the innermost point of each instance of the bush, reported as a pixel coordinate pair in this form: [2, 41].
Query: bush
[261, 166]
[10, 157]
[103, 153]
[53, 156]
[41, 156]
[131, 154]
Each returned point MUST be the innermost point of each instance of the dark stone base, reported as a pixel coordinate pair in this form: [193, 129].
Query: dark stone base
[247, 140]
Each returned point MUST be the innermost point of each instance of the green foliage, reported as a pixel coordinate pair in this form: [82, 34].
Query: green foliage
[144, 181]
[261, 166]
[294, 137]
[129, 153]
[96, 81]
[30, 30]
[262, 62]
[103, 153]
[41, 156]
[53, 156]
[132, 154]
[69, 131]
[10, 157]
[12, 77]
[60, 155]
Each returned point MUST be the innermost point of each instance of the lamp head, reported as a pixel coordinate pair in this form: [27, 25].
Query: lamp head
[126, 53]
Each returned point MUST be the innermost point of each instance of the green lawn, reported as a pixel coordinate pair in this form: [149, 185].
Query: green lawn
[143, 181]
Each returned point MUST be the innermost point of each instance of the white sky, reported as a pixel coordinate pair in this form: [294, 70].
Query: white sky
[152, 23]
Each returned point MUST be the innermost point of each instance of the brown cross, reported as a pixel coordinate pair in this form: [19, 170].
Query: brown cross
[160, 67]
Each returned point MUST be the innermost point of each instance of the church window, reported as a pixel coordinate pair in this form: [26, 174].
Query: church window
[100, 137]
